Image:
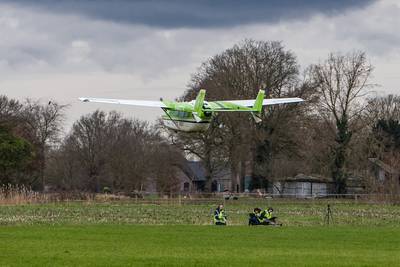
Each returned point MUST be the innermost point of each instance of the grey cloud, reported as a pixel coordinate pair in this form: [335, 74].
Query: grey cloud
[194, 14]
[60, 52]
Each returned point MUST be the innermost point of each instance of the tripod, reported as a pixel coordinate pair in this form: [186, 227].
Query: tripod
[328, 215]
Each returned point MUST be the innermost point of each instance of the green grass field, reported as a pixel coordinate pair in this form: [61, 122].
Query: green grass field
[139, 245]
[290, 213]
[132, 234]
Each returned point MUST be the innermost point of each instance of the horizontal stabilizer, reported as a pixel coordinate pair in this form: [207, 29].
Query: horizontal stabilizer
[266, 102]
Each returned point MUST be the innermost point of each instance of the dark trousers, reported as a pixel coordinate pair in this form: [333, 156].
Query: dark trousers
[220, 223]
[253, 220]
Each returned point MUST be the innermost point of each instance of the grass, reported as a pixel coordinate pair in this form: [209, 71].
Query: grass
[140, 245]
[291, 213]
[133, 234]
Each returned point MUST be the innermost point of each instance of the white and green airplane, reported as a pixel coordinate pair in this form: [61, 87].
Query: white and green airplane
[196, 115]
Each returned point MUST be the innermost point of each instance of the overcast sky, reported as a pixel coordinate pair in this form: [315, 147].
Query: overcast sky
[61, 50]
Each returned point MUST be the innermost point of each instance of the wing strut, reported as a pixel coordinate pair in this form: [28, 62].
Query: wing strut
[169, 116]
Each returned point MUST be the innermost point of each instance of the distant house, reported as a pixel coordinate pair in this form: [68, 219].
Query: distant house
[385, 178]
[193, 178]
[185, 181]
[382, 171]
[302, 186]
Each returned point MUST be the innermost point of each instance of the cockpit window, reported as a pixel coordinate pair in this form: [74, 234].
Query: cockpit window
[179, 114]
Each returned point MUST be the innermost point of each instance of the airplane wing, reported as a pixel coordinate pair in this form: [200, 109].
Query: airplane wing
[266, 102]
[143, 103]
[249, 105]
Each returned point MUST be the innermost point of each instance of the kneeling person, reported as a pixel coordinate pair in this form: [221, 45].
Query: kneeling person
[219, 215]
[254, 217]
[267, 217]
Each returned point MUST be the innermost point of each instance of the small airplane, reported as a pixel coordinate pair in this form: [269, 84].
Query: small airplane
[196, 115]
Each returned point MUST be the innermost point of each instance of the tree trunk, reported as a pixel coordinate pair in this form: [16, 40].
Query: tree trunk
[338, 168]
[42, 166]
[207, 167]
[242, 175]
[233, 177]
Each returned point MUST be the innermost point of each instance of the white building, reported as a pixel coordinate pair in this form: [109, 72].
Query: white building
[302, 186]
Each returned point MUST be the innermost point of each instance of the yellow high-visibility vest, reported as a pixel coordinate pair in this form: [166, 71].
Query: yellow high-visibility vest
[268, 214]
[220, 217]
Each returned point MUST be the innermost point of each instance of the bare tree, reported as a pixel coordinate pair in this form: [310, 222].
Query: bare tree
[238, 73]
[384, 107]
[88, 138]
[43, 126]
[165, 163]
[343, 81]
[130, 154]
[384, 115]
[10, 111]
[65, 170]
[107, 150]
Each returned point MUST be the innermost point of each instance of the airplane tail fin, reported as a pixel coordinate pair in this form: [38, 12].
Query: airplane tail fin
[257, 107]
[258, 104]
[198, 104]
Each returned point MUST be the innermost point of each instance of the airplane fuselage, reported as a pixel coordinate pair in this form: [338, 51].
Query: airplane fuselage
[181, 120]
[186, 126]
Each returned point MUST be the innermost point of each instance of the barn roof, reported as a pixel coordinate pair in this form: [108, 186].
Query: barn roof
[308, 178]
[383, 166]
[196, 171]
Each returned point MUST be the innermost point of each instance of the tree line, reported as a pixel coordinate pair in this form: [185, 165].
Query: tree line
[341, 125]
